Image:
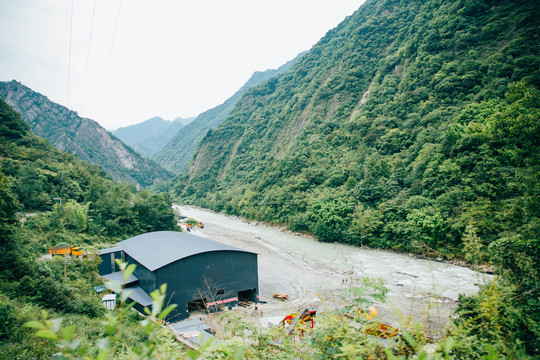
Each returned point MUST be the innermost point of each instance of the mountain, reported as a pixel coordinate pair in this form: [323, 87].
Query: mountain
[49, 197]
[151, 135]
[176, 155]
[84, 137]
[393, 131]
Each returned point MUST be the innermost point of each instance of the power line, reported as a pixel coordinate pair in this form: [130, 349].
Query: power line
[88, 56]
[38, 27]
[69, 58]
[109, 59]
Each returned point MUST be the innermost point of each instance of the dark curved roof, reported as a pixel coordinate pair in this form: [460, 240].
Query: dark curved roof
[157, 249]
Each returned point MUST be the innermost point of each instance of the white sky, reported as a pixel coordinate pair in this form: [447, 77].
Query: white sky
[169, 58]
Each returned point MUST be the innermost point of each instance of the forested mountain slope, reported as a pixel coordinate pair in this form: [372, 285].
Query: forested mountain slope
[393, 131]
[178, 153]
[83, 137]
[150, 136]
[42, 178]
[48, 197]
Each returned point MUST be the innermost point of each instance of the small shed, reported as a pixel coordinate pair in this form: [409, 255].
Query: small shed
[199, 273]
[109, 301]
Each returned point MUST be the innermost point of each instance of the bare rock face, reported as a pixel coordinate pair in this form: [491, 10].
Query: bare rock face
[69, 132]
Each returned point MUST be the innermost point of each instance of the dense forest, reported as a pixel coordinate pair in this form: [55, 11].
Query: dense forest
[48, 198]
[414, 126]
[394, 131]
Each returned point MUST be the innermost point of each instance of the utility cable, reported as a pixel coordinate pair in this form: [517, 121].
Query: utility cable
[69, 58]
[109, 59]
[88, 56]
[38, 27]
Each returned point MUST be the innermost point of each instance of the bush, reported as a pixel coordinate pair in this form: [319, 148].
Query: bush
[7, 319]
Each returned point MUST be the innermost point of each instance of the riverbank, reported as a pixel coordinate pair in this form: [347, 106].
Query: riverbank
[314, 274]
[483, 268]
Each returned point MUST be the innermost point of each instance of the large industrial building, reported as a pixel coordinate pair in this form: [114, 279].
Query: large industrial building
[198, 272]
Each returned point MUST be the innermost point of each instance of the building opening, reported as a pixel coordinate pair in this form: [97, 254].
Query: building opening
[248, 295]
[197, 305]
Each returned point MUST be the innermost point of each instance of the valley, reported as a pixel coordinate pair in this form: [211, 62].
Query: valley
[409, 131]
[311, 273]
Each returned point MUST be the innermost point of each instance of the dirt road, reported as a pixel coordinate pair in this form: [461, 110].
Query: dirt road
[314, 274]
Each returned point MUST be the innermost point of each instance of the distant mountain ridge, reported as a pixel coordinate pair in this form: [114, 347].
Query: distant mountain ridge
[150, 136]
[176, 155]
[81, 136]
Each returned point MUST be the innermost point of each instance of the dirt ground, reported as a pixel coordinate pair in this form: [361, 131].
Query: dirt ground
[312, 284]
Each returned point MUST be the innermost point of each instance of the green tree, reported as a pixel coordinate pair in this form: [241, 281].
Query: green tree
[473, 249]
[8, 207]
[330, 218]
[366, 223]
[153, 213]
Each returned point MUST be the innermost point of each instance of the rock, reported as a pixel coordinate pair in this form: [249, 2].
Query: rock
[69, 132]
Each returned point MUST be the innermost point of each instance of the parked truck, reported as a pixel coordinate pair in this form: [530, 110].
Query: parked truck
[65, 250]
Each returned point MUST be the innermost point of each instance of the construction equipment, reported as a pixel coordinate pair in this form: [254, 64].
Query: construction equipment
[305, 317]
[368, 315]
[191, 225]
[282, 297]
[293, 322]
[65, 250]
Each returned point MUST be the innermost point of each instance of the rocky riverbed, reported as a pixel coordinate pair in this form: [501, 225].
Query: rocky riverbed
[314, 274]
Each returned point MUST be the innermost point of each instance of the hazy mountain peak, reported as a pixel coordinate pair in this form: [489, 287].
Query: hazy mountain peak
[179, 151]
[150, 136]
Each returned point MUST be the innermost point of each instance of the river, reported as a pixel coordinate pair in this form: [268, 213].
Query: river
[311, 272]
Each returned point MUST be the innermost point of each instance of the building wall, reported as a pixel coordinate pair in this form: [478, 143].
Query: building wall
[107, 264]
[147, 279]
[199, 276]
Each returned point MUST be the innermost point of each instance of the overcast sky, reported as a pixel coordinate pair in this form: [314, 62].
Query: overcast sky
[146, 58]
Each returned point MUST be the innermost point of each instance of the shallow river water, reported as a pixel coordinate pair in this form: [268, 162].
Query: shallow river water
[302, 266]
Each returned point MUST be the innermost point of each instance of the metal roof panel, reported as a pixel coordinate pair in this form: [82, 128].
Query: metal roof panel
[137, 294]
[108, 250]
[118, 276]
[157, 249]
